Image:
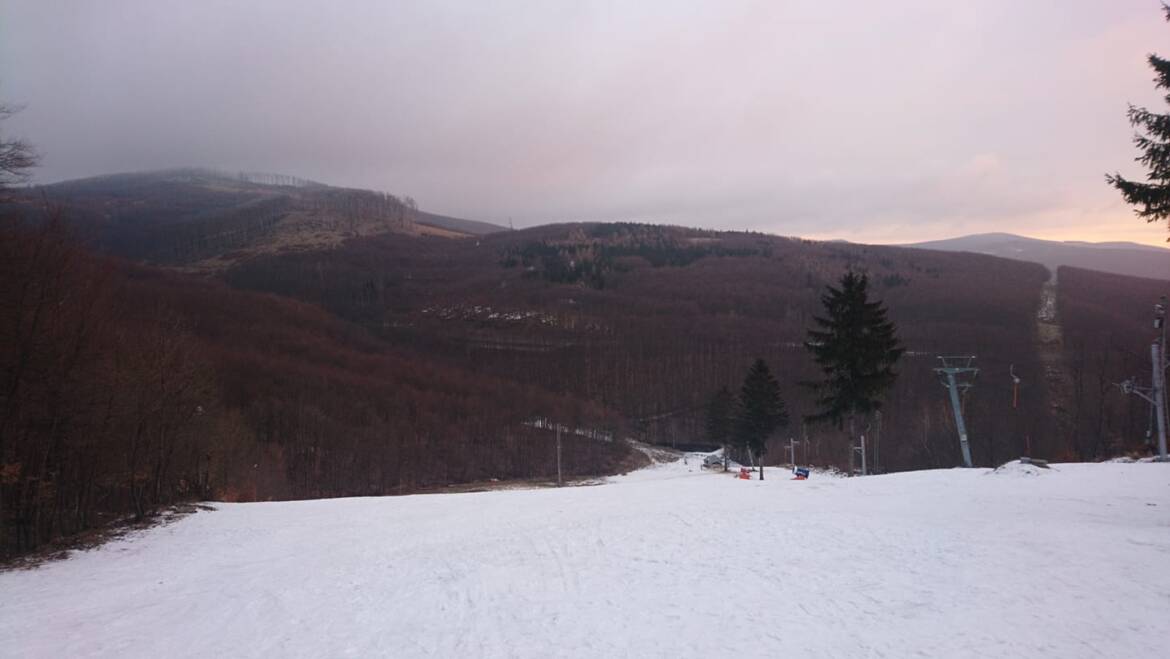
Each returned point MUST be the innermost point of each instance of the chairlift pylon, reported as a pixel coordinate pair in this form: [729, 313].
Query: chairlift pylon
[952, 368]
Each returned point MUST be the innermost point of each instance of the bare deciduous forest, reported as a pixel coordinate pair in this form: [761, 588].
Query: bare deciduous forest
[388, 360]
[127, 388]
[1107, 332]
[651, 321]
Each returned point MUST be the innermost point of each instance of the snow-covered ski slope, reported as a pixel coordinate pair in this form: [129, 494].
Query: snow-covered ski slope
[667, 562]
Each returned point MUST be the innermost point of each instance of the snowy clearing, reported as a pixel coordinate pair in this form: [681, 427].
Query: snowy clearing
[669, 561]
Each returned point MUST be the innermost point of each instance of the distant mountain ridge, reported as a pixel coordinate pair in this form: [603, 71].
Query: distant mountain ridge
[205, 219]
[1122, 258]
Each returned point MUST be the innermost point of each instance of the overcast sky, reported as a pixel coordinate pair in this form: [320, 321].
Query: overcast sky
[885, 121]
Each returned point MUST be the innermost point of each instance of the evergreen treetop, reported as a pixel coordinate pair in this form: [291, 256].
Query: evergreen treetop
[761, 409]
[856, 347]
[1151, 198]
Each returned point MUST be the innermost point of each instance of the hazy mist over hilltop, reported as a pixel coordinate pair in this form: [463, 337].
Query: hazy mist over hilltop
[875, 122]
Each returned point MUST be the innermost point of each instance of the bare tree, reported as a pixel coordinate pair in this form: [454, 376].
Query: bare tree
[17, 156]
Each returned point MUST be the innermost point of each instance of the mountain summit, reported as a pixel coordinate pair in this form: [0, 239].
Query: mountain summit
[1122, 258]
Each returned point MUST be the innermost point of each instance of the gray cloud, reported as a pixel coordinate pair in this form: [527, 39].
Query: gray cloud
[876, 121]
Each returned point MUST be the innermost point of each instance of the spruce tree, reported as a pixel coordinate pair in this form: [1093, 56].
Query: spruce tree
[721, 420]
[856, 347]
[1152, 198]
[761, 411]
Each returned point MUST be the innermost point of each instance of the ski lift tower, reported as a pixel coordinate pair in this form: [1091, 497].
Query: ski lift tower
[957, 373]
[1161, 364]
[1151, 395]
[1155, 394]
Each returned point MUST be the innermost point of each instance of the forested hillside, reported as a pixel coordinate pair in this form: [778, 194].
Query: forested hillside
[205, 220]
[127, 387]
[1108, 328]
[383, 359]
[651, 320]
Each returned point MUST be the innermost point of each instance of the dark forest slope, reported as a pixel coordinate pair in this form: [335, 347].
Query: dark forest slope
[651, 320]
[1108, 328]
[123, 388]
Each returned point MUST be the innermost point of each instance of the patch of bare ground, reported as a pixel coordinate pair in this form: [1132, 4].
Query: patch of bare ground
[300, 231]
[93, 538]
[641, 457]
[428, 230]
[637, 459]
[493, 485]
[655, 454]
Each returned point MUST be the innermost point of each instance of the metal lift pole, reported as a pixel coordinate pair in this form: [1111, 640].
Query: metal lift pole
[951, 368]
[1155, 394]
[1159, 396]
[1161, 363]
[953, 385]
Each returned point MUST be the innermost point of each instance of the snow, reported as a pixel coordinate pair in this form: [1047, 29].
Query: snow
[670, 561]
[1017, 468]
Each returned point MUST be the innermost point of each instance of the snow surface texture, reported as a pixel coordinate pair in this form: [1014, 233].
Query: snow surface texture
[670, 561]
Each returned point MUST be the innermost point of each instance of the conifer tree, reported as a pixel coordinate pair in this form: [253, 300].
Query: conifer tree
[761, 411]
[1152, 198]
[721, 420]
[856, 347]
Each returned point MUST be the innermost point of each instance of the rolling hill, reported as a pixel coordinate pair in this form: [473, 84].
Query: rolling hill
[206, 220]
[650, 320]
[1120, 258]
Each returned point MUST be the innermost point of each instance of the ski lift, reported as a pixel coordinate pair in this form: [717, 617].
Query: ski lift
[1130, 386]
[950, 371]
